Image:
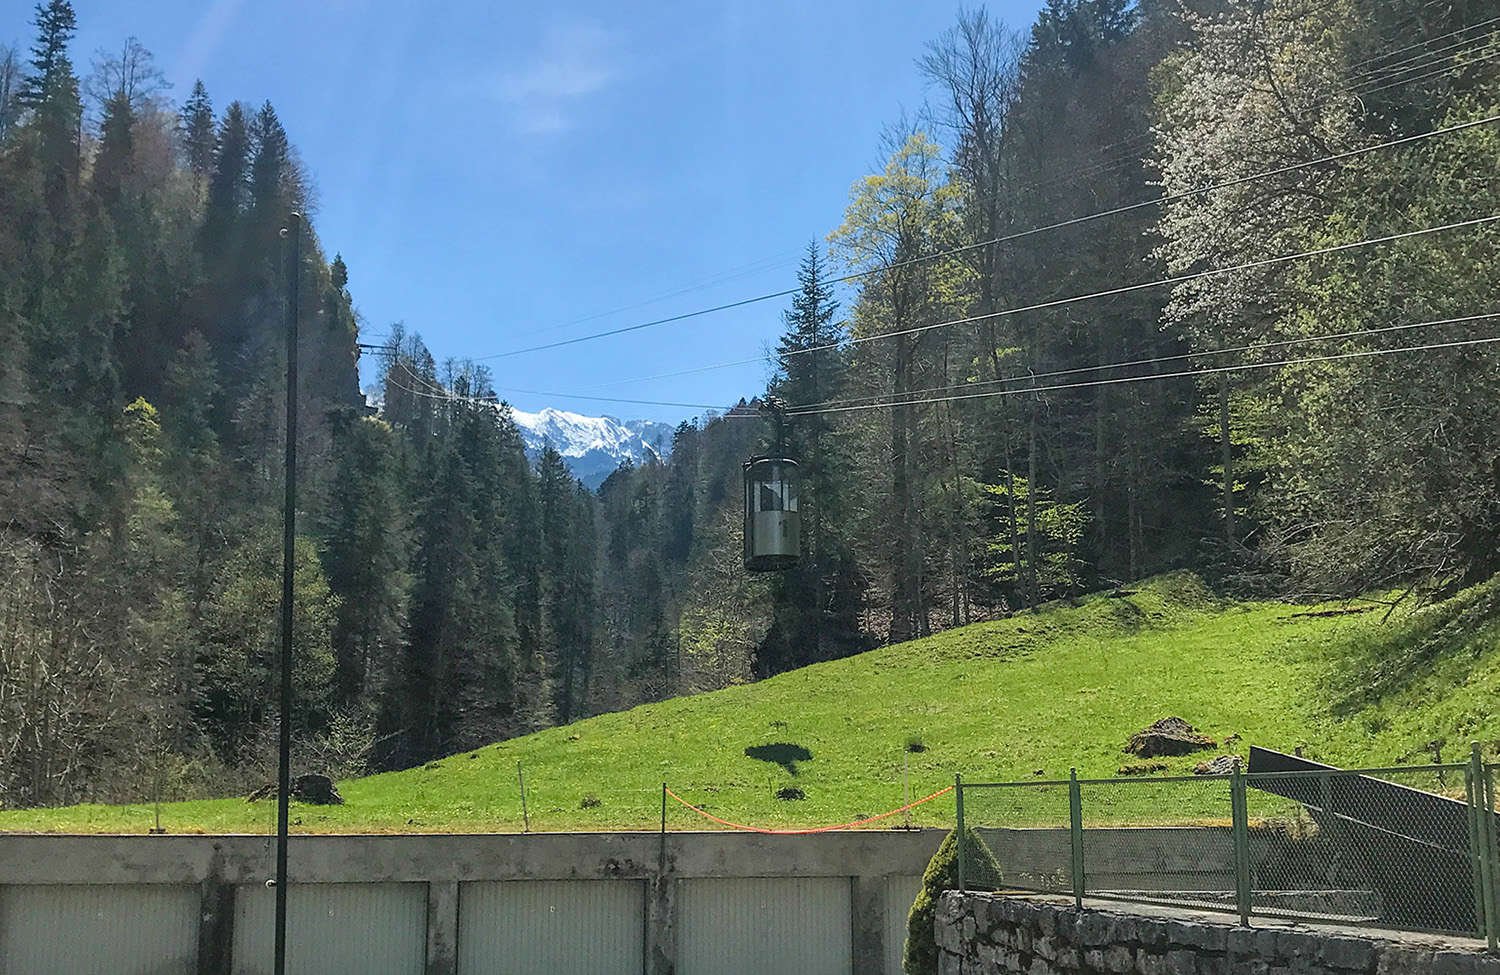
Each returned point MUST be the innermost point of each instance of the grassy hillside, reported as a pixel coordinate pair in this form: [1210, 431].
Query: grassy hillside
[1014, 699]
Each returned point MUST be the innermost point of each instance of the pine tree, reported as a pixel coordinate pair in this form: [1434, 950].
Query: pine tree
[51, 91]
[271, 193]
[813, 618]
[227, 187]
[52, 71]
[197, 132]
[116, 150]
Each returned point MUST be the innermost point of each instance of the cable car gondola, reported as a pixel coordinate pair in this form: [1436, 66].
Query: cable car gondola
[773, 525]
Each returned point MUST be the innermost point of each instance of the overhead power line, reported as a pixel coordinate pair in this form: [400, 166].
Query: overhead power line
[1160, 360]
[1215, 370]
[1007, 238]
[1157, 283]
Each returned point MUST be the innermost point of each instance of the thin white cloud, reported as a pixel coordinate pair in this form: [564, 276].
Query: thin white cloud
[543, 96]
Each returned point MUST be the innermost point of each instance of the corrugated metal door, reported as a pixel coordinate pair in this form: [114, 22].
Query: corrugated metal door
[334, 929]
[577, 927]
[900, 894]
[759, 926]
[87, 929]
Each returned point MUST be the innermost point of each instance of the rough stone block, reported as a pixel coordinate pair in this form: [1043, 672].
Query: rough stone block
[1124, 929]
[1093, 961]
[1292, 945]
[1455, 963]
[1181, 961]
[1067, 925]
[1118, 960]
[1348, 954]
[949, 964]
[1240, 942]
[946, 935]
[1147, 963]
[1194, 934]
[1250, 966]
[1068, 960]
[1040, 967]
[1151, 932]
[1093, 929]
[1214, 965]
[1046, 947]
[1025, 940]
[1396, 960]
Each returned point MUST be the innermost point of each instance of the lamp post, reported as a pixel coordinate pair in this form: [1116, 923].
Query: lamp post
[293, 233]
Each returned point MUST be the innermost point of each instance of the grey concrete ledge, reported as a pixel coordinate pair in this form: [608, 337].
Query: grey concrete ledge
[193, 859]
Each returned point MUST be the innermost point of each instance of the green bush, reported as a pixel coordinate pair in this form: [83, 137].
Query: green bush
[981, 872]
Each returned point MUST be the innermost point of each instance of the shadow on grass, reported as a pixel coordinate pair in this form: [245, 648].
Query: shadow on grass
[781, 753]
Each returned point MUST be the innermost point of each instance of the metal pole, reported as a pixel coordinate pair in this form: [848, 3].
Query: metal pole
[1240, 818]
[906, 787]
[1492, 850]
[288, 562]
[1075, 832]
[525, 817]
[958, 788]
[1473, 790]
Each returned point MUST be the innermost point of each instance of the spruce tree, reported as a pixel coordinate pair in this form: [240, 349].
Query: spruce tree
[197, 132]
[51, 91]
[227, 187]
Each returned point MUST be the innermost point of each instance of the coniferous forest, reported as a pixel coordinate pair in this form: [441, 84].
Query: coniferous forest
[1008, 383]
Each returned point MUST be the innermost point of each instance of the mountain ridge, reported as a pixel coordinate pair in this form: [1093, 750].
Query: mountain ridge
[593, 446]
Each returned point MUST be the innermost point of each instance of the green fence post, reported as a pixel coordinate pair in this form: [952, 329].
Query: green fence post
[1472, 790]
[1239, 813]
[963, 836]
[1075, 817]
[1484, 833]
[1492, 851]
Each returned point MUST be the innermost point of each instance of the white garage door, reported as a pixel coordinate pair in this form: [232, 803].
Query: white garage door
[334, 929]
[765, 926]
[103, 929]
[581, 927]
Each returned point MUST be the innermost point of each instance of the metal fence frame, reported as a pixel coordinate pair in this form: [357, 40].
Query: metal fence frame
[1482, 852]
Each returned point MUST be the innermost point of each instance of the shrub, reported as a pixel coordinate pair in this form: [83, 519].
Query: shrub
[981, 872]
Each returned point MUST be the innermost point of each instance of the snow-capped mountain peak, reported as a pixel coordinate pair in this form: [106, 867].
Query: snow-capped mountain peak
[593, 446]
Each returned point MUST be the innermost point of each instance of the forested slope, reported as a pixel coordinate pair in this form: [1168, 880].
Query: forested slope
[1038, 379]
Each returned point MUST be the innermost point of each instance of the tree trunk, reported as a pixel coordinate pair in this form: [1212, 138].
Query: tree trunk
[1227, 455]
[1031, 573]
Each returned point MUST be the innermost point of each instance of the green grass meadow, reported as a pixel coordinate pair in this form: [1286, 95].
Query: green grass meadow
[1023, 698]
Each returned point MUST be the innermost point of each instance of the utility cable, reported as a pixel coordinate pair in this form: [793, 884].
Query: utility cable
[1159, 282]
[1159, 360]
[1214, 370]
[1007, 238]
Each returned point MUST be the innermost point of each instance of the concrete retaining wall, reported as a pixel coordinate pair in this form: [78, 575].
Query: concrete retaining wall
[227, 877]
[450, 882]
[995, 934]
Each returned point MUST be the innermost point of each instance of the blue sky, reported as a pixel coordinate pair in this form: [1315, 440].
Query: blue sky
[494, 173]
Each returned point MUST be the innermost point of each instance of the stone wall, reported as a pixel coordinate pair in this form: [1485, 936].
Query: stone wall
[994, 934]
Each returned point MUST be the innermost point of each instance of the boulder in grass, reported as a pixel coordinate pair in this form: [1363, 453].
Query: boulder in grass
[317, 790]
[1169, 736]
[1223, 765]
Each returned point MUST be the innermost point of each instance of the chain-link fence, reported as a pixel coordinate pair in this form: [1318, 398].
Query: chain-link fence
[1412, 848]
